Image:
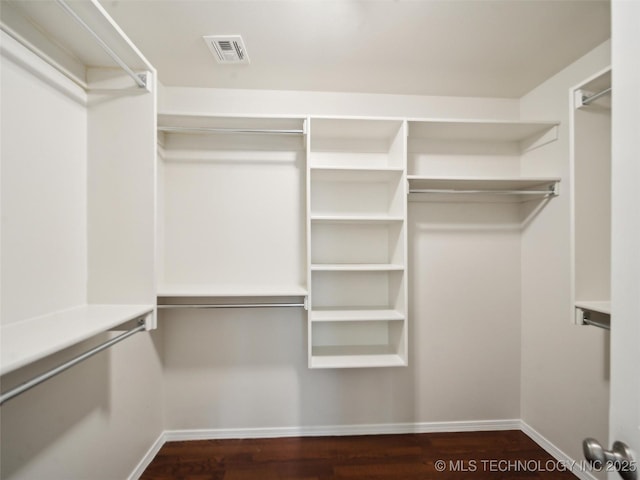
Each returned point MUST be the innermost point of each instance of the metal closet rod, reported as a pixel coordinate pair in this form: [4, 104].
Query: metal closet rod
[232, 305]
[596, 323]
[492, 192]
[140, 79]
[587, 100]
[23, 387]
[205, 130]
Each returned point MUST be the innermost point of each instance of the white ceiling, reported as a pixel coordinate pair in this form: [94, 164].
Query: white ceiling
[500, 48]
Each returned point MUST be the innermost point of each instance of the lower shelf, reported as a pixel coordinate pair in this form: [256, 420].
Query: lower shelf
[357, 338]
[31, 340]
[354, 356]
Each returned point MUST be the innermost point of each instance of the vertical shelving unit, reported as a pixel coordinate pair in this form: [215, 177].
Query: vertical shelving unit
[357, 243]
[78, 179]
[591, 202]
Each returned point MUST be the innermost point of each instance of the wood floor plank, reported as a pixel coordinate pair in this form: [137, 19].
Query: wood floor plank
[432, 456]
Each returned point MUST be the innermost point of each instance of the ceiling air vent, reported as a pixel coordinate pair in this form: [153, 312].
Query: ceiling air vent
[227, 48]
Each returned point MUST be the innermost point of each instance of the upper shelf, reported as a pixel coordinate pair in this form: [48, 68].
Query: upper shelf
[74, 37]
[203, 124]
[478, 130]
[210, 290]
[31, 340]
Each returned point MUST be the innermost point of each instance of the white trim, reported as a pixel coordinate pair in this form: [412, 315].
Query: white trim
[342, 430]
[577, 467]
[148, 457]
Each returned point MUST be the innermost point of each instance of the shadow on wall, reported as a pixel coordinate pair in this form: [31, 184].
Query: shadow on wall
[35, 420]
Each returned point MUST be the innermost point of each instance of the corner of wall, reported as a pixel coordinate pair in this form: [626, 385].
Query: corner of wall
[560, 396]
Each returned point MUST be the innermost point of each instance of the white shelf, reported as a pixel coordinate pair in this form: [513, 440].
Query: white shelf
[355, 315]
[350, 128]
[356, 267]
[355, 357]
[354, 174]
[598, 307]
[359, 219]
[31, 340]
[206, 290]
[478, 130]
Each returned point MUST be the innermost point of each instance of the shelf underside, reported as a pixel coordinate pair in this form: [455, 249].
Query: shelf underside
[216, 290]
[480, 130]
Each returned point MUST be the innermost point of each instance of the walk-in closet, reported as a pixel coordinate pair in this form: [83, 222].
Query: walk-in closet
[209, 233]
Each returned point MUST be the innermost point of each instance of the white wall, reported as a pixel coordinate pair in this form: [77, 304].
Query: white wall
[565, 367]
[43, 188]
[207, 101]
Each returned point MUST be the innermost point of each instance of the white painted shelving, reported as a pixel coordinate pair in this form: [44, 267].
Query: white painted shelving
[357, 243]
[78, 203]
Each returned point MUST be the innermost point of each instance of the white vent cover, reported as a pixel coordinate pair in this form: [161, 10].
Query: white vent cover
[227, 48]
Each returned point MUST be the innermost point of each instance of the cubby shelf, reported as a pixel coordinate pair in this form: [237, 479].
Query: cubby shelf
[355, 356]
[356, 219]
[356, 267]
[78, 241]
[355, 314]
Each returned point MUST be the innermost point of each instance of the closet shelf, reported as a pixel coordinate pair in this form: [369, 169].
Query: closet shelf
[213, 291]
[365, 314]
[85, 38]
[356, 267]
[215, 124]
[355, 174]
[30, 340]
[512, 188]
[355, 356]
[358, 219]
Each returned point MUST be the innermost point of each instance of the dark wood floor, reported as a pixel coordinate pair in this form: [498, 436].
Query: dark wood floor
[437, 456]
